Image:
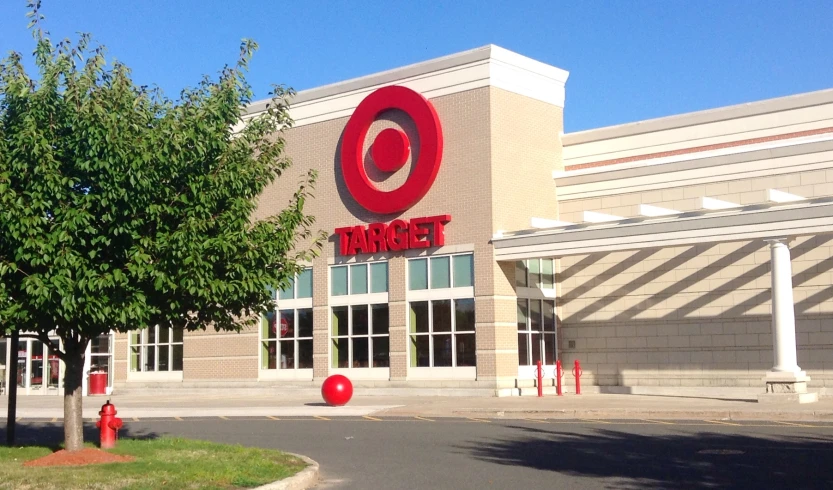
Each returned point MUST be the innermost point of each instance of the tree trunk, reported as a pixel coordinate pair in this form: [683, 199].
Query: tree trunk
[73, 385]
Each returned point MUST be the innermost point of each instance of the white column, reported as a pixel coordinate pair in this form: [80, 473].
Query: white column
[783, 310]
[785, 382]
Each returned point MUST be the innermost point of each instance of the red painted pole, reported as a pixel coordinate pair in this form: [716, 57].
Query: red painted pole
[559, 372]
[577, 374]
[540, 379]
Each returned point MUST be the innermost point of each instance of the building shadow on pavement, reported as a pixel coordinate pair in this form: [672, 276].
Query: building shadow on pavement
[51, 434]
[686, 461]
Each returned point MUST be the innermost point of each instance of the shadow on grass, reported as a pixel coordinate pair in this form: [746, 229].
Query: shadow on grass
[51, 434]
[677, 460]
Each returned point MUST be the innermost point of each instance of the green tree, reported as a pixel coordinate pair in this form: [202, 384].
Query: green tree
[121, 209]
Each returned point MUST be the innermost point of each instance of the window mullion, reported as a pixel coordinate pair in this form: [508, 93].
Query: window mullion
[430, 327]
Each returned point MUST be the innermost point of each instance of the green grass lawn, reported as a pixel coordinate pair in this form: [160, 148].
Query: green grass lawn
[160, 463]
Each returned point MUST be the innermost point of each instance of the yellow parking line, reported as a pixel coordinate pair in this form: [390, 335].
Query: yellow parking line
[271, 417]
[135, 419]
[657, 421]
[595, 421]
[721, 422]
[479, 420]
[793, 424]
[18, 419]
[178, 418]
[320, 417]
[538, 420]
[368, 417]
[423, 418]
[54, 419]
[223, 417]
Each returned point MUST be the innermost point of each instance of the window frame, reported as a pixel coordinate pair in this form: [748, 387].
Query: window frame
[350, 301]
[143, 373]
[541, 294]
[295, 304]
[431, 295]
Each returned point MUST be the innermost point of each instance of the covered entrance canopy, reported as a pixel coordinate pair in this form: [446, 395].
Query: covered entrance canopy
[775, 223]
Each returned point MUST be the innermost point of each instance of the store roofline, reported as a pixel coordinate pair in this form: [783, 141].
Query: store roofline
[489, 52]
[748, 109]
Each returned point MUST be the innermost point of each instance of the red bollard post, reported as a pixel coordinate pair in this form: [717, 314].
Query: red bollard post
[559, 372]
[540, 380]
[577, 374]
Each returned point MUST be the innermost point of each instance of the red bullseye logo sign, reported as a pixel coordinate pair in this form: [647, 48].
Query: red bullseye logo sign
[391, 149]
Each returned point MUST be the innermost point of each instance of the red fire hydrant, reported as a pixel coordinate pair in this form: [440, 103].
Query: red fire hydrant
[559, 372]
[109, 425]
[577, 374]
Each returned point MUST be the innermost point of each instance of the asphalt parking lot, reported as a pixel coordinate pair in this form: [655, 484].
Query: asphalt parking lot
[477, 452]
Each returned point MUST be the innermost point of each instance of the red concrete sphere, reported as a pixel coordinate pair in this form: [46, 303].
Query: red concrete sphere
[337, 390]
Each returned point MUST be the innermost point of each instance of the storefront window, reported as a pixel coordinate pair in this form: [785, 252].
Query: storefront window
[286, 333]
[535, 281]
[441, 326]
[360, 321]
[156, 349]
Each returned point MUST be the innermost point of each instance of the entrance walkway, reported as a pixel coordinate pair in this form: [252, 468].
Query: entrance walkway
[591, 406]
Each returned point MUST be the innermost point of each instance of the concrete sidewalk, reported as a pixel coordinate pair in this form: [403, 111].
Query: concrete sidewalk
[306, 404]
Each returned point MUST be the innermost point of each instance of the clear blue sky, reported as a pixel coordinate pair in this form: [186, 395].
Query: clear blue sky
[628, 60]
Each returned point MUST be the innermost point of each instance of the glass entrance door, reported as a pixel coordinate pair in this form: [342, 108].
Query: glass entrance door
[4, 362]
[536, 336]
[38, 368]
[101, 358]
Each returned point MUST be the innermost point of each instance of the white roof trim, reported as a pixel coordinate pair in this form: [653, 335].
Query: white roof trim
[653, 211]
[748, 223]
[482, 67]
[595, 217]
[731, 150]
[712, 203]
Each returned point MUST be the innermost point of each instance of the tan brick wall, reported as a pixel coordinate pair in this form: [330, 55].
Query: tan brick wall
[526, 148]
[462, 189]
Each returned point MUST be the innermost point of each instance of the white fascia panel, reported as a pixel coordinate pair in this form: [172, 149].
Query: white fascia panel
[712, 203]
[548, 223]
[706, 175]
[732, 150]
[594, 217]
[774, 195]
[681, 238]
[652, 211]
[452, 80]
[513, 78]
[794, 219]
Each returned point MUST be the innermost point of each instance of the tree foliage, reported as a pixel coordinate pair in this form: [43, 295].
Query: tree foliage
[121, 209]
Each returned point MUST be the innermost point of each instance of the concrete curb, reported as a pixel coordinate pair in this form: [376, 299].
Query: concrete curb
[306, 478]
[627, 414]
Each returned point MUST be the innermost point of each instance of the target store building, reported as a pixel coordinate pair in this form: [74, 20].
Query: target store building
[469, 238]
